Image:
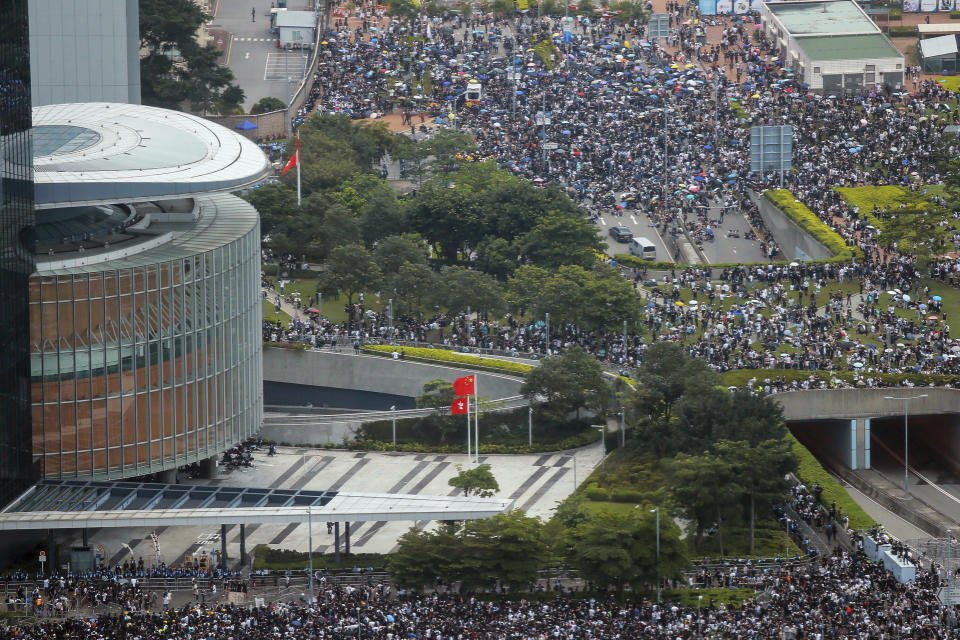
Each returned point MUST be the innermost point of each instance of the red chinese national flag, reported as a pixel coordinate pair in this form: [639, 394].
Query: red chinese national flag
[460, 405]
[294, 159]
[464, 386]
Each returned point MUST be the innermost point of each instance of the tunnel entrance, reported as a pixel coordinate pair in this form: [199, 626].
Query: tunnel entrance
[932, 446]
[827, 440]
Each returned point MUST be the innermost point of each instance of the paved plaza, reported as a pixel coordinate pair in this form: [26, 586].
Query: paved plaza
[534, 482]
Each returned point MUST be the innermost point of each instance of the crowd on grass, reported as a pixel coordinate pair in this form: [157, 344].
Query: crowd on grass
[840, 595]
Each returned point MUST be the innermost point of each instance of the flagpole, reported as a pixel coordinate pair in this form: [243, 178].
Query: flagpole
[476, 418]
[468, 429]
[298, 166]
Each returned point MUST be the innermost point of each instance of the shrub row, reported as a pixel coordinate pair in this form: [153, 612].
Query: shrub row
[904, 31]
[571, 442]
[287, 559]
[595, 493]
[451, 357]
[809, 222]
[739, 377]
[810, 471]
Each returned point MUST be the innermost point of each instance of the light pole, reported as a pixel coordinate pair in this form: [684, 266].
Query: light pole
[310, 550]
[657, 511]
[393, 416]
[623, 426]
[906, 436]
[573, 457]
[530, 424]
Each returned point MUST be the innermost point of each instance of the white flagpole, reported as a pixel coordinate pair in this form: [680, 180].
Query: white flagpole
[468, 429]
[476, 420]
[298, 166]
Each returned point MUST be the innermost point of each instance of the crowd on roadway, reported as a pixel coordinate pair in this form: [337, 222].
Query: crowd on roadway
[837, 595]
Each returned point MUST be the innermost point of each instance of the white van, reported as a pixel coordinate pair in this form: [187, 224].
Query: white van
[474, 92]
[643, 248]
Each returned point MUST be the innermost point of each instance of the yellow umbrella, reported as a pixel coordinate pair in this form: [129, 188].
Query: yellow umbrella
[674, 66]
[756, 95]
[324, 42]
[678, 303]
[688, 66]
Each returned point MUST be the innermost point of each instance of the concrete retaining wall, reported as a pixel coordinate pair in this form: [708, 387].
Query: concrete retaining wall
[362, 373]
[865, 403]
[373, 373]
[796, 243]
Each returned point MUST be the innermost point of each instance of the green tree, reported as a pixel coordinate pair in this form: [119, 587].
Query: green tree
[393, 252]
[707, 489]
[497, 257]
[446, 145]
[562, 238]
[423, 556]
[619, 549]
[525, 287]
[461, 289]
[268, 104]
[414, 289]
[509, 547]
[168, 26]
[478, 481]
[666, 375]
[274, 202]
[437, 395]
[569, 382]
[350, 269]
[760, 470]
[919, 226]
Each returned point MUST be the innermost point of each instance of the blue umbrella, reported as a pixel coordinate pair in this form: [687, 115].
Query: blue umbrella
[708, 147]
[937, 298]
[246, 125]
[565, 132]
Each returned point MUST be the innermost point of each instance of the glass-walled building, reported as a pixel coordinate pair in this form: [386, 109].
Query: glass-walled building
[17, 469]
[145, 310]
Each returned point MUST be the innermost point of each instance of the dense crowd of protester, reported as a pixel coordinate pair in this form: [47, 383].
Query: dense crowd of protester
[658, 129]
[840, 595]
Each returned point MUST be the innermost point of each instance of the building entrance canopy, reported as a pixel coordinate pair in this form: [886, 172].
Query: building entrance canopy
[79, 504]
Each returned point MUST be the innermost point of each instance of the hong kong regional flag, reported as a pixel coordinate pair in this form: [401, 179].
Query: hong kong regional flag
[293, 161]
[460, 405]
[464, 386]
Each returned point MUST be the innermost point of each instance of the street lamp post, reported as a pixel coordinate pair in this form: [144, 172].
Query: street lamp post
[573, 457]
[657, 511]
[906, 436]
[310, 550]
[393, 416]
[530, 425]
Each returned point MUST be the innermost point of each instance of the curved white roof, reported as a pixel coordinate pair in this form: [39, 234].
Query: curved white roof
[89, 153]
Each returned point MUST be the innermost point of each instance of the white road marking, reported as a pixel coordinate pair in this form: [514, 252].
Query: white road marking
[246, 56]
[603, 221]
[634, 220]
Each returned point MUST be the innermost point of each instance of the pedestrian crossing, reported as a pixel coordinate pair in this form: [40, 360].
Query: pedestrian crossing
[254, 39]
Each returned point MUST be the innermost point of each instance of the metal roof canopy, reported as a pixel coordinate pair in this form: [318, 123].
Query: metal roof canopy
[78, 504]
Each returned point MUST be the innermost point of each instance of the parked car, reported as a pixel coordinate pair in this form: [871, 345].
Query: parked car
[621, 234]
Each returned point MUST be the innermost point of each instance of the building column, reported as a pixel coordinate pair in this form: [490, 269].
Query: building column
[346, 535]
[223, 546]
[243, 545]
[51, 553]
[86, 537]
[168, 477]
[860, 443]
[853, 444]
[336, 543]
[208, 468]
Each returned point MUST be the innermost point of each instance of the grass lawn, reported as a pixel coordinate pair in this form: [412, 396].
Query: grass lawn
[270, 314]
[952, 82]
[885, 197]
[332, 306]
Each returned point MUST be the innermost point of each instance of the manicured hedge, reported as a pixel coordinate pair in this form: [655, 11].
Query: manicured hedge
[739, 377]
[573, 442]
[809, 222]
[904, 32]
[265, 557]
[451, 357]
[810, 471]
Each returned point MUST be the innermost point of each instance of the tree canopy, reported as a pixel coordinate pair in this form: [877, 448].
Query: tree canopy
[170, 26]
